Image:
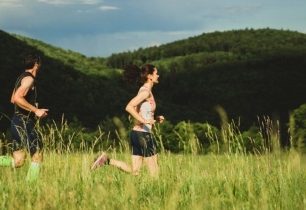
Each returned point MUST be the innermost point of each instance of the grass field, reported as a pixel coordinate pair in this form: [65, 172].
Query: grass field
[274, 181]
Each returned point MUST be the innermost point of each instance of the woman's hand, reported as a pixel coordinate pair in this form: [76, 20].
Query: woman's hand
[160, 119]
[151, 121]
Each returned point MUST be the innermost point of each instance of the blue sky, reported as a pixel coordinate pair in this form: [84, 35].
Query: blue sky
[103, 27]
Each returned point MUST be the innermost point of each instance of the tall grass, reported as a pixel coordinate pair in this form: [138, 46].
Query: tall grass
[230, 180]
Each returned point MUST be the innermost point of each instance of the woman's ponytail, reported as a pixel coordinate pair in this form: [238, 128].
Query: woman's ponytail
[135, 75]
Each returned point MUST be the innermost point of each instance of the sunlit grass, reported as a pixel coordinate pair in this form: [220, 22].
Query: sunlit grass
[185, 182]
[226, 178]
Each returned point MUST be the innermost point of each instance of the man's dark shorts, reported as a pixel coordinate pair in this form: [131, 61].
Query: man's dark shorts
[143, 143]
[24, 134]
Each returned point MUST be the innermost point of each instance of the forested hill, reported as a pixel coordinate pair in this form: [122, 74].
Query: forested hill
[248, 72]
[80, 87]
[241, 43]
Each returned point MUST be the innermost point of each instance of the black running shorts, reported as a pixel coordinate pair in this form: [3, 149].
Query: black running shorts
[24, 134]
[143, 143]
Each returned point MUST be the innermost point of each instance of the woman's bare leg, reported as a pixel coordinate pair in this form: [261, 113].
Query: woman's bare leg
[121, 165]
[152, 165]
[136, 164]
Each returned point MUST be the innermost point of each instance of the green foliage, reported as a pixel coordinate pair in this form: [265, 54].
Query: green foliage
[203, 138]
[253, 141]
[69, 83]
[241, 43]
[183, 137]
[298, 128]
[110, 134]
[249, 72]
[69, 58]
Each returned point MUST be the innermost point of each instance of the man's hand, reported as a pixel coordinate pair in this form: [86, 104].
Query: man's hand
[41, 112]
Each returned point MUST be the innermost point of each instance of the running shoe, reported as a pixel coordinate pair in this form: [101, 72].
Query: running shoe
[100, 161]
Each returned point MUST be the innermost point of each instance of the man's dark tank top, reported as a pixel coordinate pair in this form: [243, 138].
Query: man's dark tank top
[30, 97]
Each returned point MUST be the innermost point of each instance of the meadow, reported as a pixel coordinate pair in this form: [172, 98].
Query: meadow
[226, 177]
[229, 181]
[208, 167]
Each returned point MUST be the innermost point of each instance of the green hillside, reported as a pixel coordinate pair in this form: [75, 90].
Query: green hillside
[69, 83]
[250, 73]
[76, 60]
[243, 44]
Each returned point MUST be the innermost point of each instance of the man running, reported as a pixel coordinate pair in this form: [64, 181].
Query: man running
[26, 113]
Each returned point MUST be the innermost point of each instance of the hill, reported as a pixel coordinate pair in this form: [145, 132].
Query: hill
[69, 83]
[244, 44]
[250, 73]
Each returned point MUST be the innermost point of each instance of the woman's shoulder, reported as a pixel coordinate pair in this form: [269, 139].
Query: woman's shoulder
[145, 89]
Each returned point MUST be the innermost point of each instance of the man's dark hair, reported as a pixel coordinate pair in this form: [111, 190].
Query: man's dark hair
[30, 60]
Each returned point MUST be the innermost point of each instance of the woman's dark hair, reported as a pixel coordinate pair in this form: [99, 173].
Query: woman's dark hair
[30, 60]
[134, 74]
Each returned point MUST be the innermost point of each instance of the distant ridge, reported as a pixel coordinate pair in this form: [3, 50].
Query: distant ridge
[241, 43]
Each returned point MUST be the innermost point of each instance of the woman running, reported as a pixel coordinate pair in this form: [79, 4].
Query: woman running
[141, 108]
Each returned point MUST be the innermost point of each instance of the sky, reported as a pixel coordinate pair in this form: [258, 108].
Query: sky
[102, 27]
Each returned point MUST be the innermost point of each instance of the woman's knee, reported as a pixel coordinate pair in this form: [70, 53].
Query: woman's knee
[152, 165]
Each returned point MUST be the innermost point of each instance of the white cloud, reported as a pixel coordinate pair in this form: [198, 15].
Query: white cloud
[91, 2]
[106, 8]
[69, 2]
[56, 2]
[10, 3]
[84, 11]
